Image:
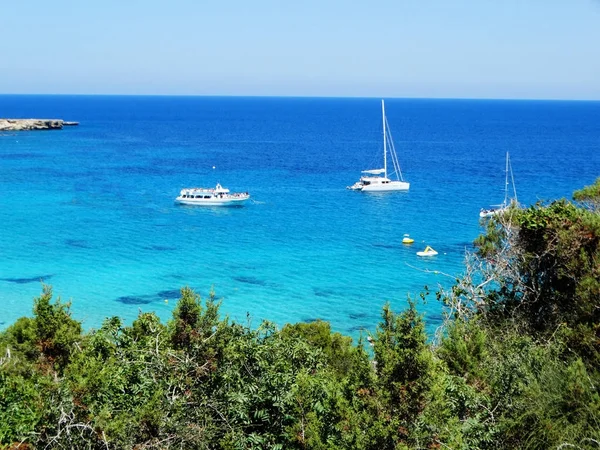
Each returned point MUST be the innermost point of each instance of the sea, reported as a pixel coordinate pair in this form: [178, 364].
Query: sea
[89, 210]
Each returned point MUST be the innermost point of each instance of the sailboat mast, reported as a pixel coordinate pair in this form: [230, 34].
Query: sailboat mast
[506, 183]
[512, 180]
[384, 139]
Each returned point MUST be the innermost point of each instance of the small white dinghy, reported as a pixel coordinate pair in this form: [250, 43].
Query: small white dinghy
[427, 252]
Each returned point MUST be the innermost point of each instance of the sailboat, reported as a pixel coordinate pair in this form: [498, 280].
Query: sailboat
[497, 209]
[379, 180]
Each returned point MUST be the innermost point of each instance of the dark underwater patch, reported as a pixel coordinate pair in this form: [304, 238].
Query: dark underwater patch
[169, 294]
[388, 246]
[160, 248]
[323, 292]
[78, 243]
[311, 319]
[357, 328]
[436, 318]
[242, 266]
[251, 280]
[357, 315]
[134, 300]
[37, 279]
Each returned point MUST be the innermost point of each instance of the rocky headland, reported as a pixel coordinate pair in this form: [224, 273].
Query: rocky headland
[33, 124]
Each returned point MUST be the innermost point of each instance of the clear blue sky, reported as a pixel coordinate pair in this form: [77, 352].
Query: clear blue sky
[388, 48]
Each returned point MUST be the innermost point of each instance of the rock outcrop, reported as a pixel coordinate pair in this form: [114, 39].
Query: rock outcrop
[33, 124]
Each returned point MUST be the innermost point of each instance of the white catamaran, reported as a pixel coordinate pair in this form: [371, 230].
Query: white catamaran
[378, 180]
[497, 209]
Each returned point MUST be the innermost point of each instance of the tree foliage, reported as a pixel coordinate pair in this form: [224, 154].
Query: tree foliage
[589, 196]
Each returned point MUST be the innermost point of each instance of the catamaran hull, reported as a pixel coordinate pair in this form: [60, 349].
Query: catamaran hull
[491, 213]
[387, 187]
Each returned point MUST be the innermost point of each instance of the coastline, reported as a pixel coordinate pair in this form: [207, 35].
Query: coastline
[34, 124]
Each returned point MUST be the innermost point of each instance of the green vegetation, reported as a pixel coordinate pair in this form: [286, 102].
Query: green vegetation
[516, 366]
[589, 196]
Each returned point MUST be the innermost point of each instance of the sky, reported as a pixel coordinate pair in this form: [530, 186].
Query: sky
[530, 49]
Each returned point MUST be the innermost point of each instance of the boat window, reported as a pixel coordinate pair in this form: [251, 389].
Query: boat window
[207, 196]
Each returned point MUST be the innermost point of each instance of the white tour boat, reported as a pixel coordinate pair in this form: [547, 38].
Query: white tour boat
[497, 209]
[218, 196]
[378, 180]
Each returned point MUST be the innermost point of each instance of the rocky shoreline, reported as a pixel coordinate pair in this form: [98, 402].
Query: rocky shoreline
[33, 124]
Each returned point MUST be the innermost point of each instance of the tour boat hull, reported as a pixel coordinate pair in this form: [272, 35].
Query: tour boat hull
[211, 202]
[218, 196]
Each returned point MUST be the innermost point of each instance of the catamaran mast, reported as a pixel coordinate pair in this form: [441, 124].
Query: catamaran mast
[512, 178]
[506, 182]
[384, 140]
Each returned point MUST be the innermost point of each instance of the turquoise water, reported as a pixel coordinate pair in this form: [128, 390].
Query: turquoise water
[90, 209]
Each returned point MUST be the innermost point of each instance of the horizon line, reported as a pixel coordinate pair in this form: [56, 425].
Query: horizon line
[274, 96]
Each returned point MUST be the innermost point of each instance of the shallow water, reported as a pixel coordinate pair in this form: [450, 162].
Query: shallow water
[89, 209]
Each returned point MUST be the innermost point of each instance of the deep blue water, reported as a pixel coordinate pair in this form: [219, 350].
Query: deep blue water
[89, 209]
